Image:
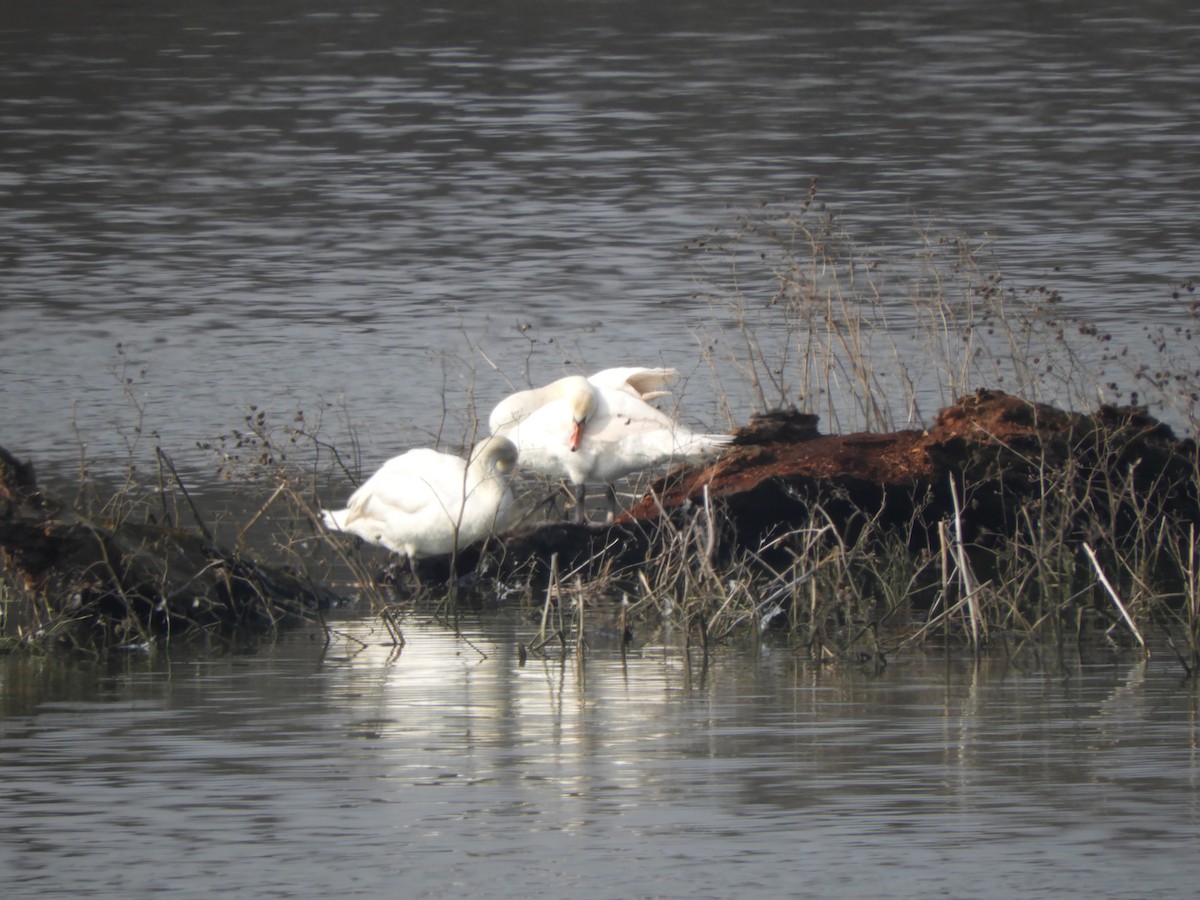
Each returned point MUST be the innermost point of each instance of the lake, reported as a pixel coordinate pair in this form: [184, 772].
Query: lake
[358, 211]
[378, 219]
[447, 768]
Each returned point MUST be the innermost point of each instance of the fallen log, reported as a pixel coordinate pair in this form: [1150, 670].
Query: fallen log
[1001, 450]
[1007, 458]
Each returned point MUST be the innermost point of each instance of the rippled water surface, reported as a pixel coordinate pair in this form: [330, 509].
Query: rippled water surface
[448, 769]
[290, 203]
[386, 214]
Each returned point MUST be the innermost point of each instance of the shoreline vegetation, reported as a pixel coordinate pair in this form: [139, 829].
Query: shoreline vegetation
[1008, 519]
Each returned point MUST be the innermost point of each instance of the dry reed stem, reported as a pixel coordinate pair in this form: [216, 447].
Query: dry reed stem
[1112, 592]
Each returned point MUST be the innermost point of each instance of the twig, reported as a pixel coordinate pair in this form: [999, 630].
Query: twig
[258, 515]
[969, 585]
[158, 451]
[1115, 597]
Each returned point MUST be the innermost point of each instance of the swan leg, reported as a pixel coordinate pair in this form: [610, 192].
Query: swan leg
[400, 574]
[580, 496]
[611, 493]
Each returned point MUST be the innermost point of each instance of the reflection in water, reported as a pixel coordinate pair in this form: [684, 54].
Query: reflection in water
[282, 203]
[453, 770]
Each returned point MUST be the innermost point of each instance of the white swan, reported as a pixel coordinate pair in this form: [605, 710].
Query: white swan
[637, 381]
[583, 432]
[425, 503]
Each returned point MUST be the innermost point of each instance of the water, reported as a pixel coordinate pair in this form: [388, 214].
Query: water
[294, 204]
[448, 769]
[355, 210]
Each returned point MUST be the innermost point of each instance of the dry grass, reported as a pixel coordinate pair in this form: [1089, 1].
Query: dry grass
[804, 317]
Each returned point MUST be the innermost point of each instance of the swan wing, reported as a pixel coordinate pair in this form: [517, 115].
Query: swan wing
[640, 381]
[410, 484]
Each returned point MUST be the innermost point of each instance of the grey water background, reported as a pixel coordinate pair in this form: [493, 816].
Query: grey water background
[359, 209]
[367, 207]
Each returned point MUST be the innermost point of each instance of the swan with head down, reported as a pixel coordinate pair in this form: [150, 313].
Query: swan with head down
[582, 432]
[641, 382]
[426, 503]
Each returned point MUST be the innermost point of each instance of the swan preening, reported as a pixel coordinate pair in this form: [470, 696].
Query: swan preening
[425, 503]
[599, 429]
[636, 381]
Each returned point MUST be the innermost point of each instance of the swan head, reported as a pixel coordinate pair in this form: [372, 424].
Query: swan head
[581, 401]
[496, 453]
[574, 392]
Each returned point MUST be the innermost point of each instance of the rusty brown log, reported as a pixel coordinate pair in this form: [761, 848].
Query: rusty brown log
[1000, 450]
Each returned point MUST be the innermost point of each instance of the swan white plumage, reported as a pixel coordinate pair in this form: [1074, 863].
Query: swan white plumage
[637, 381]
[584, 432]
[425, 503]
